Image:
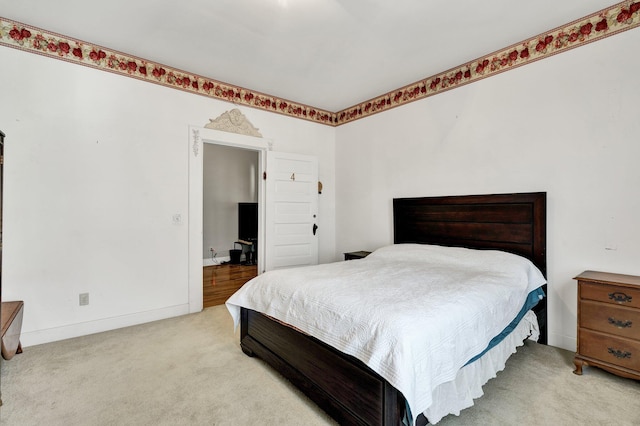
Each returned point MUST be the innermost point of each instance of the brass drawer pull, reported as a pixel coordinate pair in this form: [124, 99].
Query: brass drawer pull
[619, 297]
[619, 354]
[619, 323]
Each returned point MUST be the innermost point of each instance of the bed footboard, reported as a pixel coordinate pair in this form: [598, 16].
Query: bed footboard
[341, 385]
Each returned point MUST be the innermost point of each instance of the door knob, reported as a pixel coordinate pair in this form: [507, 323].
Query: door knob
[315, 228]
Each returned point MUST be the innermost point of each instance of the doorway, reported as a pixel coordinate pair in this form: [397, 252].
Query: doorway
[230, 220]
[288, 233]
[198, 138]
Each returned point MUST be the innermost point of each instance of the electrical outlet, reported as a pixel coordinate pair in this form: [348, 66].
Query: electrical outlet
[83, 299]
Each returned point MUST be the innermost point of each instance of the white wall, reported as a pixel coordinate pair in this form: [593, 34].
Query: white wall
[230, 176]
[567, 125]
[96, 169]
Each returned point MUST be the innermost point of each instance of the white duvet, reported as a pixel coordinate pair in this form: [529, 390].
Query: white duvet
[413, 313]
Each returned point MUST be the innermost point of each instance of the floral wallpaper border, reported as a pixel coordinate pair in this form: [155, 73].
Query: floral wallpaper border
[607, 22]
[24, 37]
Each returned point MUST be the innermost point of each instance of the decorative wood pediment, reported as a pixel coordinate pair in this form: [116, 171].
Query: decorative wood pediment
[233, 121]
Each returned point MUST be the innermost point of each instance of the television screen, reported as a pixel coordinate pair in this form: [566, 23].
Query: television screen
[248, 221]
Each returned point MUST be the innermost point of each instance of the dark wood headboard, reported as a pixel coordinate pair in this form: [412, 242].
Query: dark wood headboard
[511, 222]
[515, 223]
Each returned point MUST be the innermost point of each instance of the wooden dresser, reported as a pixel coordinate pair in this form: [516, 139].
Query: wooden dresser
[609, 323]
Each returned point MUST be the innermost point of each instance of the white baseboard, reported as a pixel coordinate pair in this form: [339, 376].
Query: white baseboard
[90, 327]
[562, 341]
[216, 261]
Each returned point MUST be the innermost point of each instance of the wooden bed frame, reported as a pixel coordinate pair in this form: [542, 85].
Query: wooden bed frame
[345, 387]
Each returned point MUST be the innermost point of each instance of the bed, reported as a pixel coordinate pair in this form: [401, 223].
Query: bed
[344, 386]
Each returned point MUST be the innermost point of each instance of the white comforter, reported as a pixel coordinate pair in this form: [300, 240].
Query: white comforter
[415, 314]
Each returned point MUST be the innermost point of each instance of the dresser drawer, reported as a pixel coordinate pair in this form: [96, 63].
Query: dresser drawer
[612, 319]
[610, 349]
[617, 295]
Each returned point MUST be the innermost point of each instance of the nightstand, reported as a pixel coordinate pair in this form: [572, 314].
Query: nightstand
[356, 255]
[609, 323]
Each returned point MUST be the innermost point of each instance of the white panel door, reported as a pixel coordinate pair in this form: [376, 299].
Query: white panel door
[291, 220]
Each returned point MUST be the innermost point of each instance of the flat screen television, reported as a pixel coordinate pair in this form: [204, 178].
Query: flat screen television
[248, 221]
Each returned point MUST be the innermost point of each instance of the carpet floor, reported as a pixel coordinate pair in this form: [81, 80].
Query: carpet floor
[190, 370]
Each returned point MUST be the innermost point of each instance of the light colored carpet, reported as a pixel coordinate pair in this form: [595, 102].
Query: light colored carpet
[187, 370]
[190, 371]
[538, 387]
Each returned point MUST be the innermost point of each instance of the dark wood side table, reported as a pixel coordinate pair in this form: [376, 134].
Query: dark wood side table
[356, 255]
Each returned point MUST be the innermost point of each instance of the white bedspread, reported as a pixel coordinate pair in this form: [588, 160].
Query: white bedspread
[415, 314]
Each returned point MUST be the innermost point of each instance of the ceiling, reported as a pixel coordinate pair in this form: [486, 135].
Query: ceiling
[330, 54]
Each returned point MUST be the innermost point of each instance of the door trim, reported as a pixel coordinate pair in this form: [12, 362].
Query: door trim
[197, 137]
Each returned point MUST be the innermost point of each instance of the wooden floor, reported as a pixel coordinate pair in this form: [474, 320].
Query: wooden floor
[221, 281]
